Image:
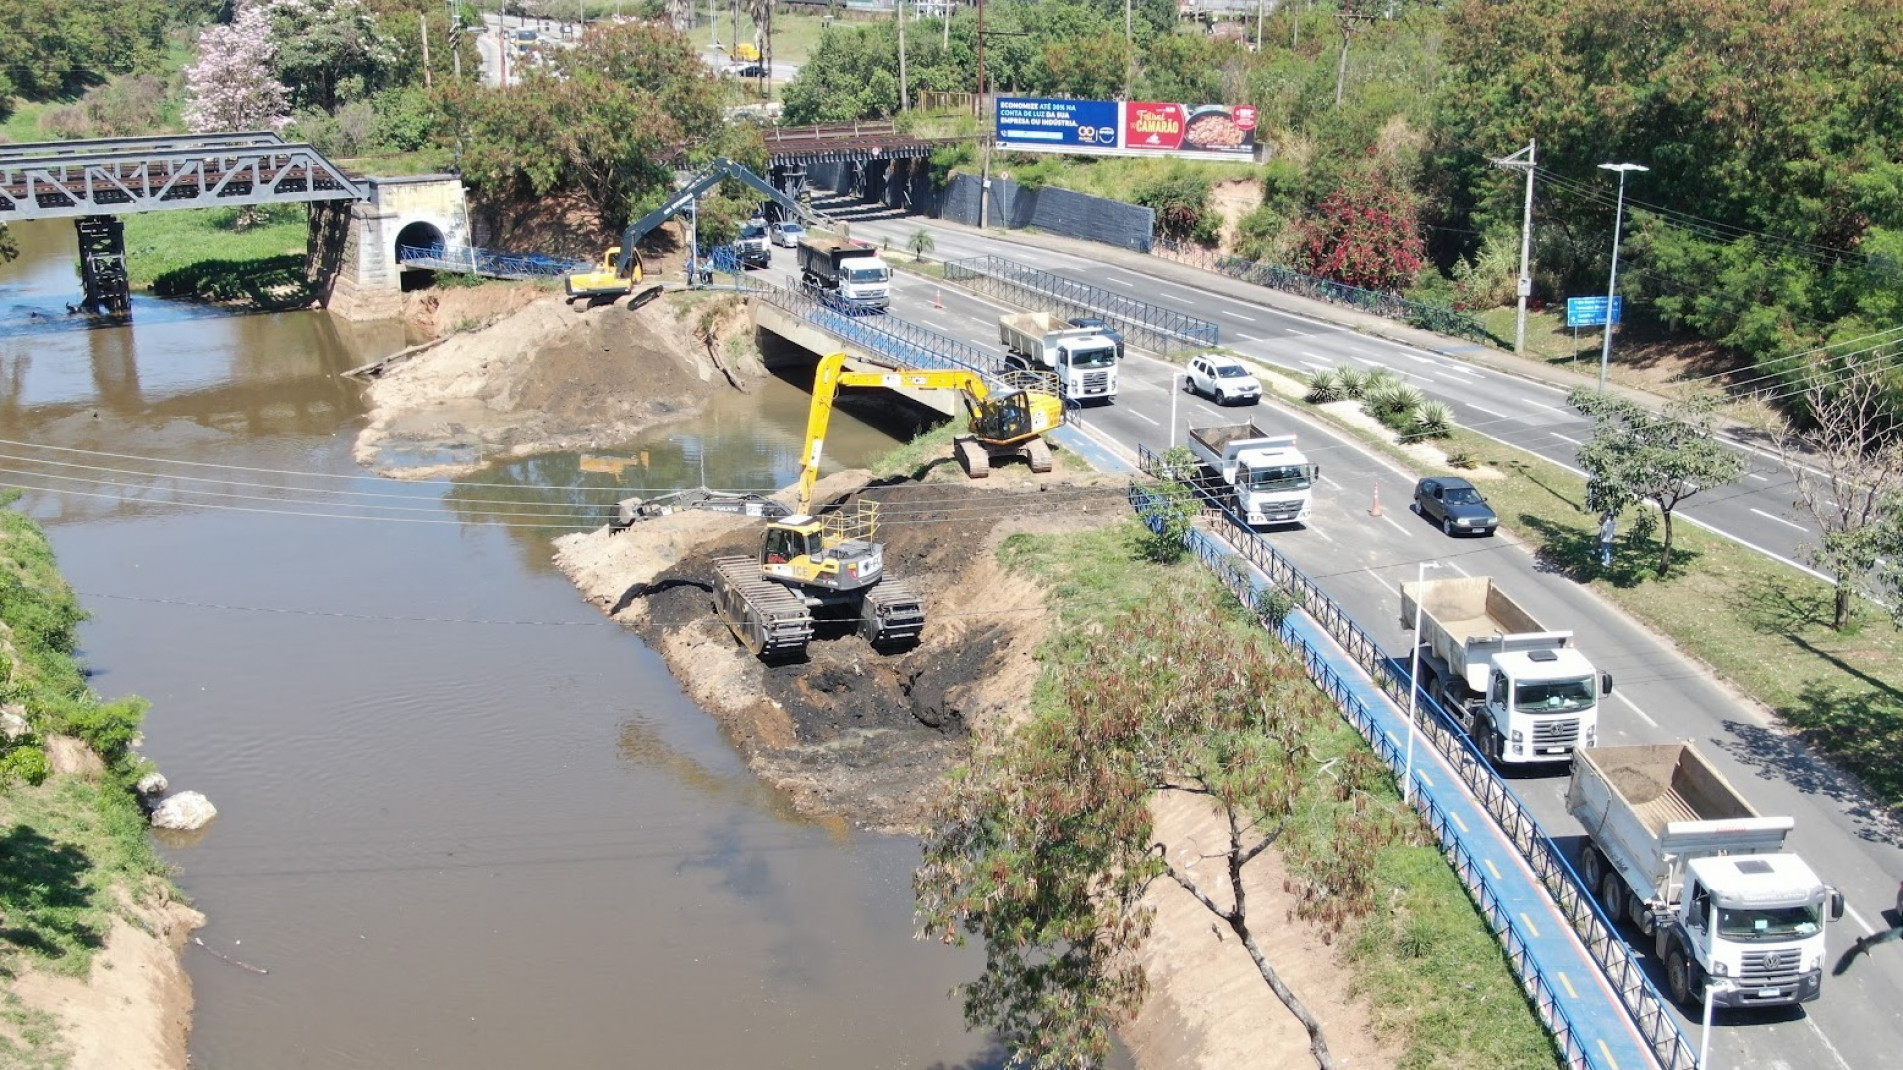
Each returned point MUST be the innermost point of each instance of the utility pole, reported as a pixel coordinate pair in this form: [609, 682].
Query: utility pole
[455, 39]
[423, 21]
[945, 9]
[979, 105]
[1351, 21]
[1258, 25]
[1524, 160]
[905, 96]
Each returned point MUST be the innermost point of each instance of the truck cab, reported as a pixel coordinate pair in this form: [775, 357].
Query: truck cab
[1539, 700]
[1087, 367]
[1754, 925]
[1274, 486]
[752, 248]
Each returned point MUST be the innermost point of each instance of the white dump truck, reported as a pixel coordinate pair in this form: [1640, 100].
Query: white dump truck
[1524, 692]
[1083, 358]
[1679, 853]
[1269, 480]
[845, 270]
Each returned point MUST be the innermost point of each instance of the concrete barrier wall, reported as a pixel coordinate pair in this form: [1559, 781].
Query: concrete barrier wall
[1013, 206]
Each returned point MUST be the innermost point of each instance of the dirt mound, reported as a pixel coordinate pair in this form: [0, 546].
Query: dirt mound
[851, 731]
[547, 378]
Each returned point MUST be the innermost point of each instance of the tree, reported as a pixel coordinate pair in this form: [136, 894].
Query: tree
[920, 243]
[1366, 233]
[1172, 506]
[1638, 455]
[329, 51]
[1846, 469]
[230, 88]
[1046, 844]
[9, 249]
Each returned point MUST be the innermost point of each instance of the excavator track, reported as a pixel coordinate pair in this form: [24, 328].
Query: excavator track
[973, 457]
[891, 614]
[1038, 452]
[766, 616]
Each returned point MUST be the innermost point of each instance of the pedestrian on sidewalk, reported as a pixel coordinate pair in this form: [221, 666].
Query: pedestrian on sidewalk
[1608, 531]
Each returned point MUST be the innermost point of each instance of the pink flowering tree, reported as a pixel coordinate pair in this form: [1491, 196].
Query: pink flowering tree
[1367, 233]
[230, 88]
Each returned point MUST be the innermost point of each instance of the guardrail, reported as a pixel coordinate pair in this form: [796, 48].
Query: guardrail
[487, 262]
[905, 343]
[1437, 318]
[1151, 326]
[1643, 1003]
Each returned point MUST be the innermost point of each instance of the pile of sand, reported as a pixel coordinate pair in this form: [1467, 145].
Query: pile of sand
[546, 378]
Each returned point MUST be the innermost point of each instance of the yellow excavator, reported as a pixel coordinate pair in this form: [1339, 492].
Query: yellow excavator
[620, 269]
[832, 564]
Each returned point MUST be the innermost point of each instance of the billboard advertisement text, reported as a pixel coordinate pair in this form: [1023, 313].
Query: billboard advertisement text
[1085, 123]
[1206, 131]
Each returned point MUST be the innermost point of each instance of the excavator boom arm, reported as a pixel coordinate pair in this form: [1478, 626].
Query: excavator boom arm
[716, 173]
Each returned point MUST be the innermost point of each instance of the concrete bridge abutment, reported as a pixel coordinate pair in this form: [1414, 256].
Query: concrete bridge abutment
[353, 245]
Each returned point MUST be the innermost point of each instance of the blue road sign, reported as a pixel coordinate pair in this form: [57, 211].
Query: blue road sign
[1591, 311]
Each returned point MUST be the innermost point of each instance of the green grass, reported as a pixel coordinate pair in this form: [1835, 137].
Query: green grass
[205, 255]
[68, 846]
[1761, 625]
[1108, 176]
[1439, 984]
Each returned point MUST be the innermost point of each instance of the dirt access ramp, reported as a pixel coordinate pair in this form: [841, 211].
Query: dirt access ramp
[851, 731]
[547, 378]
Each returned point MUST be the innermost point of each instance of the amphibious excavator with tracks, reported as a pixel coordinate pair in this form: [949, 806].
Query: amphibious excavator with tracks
[832, 565]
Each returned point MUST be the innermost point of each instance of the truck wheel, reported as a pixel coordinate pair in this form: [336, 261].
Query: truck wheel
[1612, 895]
[1685, 979]
[1590, 868]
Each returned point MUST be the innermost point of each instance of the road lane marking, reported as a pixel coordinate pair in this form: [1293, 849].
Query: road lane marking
[1392, 588]
[1463, 825]
[1140, 416]
[1858, 918]
[1248, 337]
[1819, 1030]
[1570, 990]
[1120, 280]
[1455, 565]
[1317, 364]
[1563, 438]
[1489, 412]
[1781, 520]
[1493, 869]
[1316, 356]
[1635, 709]
[1604, 1051]
[1759, 478]
[1530, 927]
[1323, 534]
[1543, 405]
[935, 326]
[1397, 527]
[1331, 482]
[1240, 316]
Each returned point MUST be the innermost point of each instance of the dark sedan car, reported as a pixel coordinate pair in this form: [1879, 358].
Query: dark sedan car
[1455, 505]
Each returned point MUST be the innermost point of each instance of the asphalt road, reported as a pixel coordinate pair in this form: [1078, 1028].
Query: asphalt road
[1361, 560]
[1758, 510]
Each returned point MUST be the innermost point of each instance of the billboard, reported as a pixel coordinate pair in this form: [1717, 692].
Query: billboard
[1045, 122]
[1127, 128]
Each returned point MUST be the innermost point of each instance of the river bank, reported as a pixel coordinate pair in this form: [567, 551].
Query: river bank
[91, 925]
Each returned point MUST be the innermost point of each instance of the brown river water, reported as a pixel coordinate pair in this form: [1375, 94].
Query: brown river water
[464, 822]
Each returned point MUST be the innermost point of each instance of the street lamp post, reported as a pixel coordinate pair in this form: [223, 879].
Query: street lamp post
[1713, 986]
[1612, 283]
[1176, 390]
[1414, 678]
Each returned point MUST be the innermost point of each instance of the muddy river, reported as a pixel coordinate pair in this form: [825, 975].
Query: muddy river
[464, 822]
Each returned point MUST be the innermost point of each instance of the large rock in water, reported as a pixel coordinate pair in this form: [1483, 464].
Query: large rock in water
[185, 811]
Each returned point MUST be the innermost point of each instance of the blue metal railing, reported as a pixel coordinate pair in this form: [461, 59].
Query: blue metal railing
[1437, 318]
[1151, 326]
[487, 262]
[904, 343]
[1597, 932]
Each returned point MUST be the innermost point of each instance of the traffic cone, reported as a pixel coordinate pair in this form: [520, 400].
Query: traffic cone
[1376, 509]
[938, 298]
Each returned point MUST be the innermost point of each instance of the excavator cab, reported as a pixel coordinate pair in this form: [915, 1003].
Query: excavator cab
[607, 279]
[835, 553]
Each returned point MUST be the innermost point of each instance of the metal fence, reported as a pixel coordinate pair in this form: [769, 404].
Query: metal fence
[903, 342]
[487, 262]
[1151, 326]
[1437, 318]
[1642, 1001]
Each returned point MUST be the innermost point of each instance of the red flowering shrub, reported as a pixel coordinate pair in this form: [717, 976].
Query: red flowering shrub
[1365, 234]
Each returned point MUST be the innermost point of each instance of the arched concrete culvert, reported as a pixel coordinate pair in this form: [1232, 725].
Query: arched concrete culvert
[420, 235]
